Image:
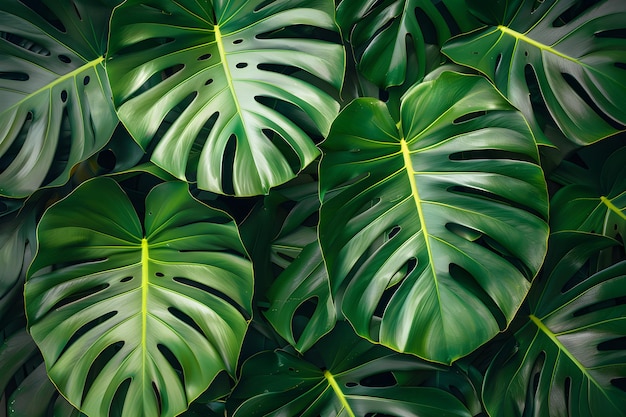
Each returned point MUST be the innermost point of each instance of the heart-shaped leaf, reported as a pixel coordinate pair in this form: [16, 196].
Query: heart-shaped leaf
[214, 77]
[554, 60]
[570, 355]
[55, 100]
[150, 315]
[439, 223]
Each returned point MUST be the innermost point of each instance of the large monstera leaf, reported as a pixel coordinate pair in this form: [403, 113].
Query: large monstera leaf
[55, 105]
[149, 316]
[384, 33]
[569, 358]
[221, 80]
[350, 377]
[574, 57]
[439, 224]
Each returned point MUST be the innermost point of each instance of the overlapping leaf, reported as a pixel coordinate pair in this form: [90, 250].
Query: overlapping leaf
[55, 100]
[439, 222]
[569, 359]
[384, 33]
[146, 316]
[597, 204]
[352, 378]
[213, 77]
[555, 61]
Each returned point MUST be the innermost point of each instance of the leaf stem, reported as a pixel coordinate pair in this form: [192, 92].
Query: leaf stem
[613, 207]
[342, 398]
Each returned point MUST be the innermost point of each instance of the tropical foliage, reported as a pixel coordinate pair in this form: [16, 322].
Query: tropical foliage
[312, 208]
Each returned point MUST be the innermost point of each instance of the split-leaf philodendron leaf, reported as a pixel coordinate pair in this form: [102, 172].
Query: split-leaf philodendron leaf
[56, 108]
[577, 64]
[353, 379]
[439, 223]
[383, 32]
[148, 314]
[212, 77]
[570, 354]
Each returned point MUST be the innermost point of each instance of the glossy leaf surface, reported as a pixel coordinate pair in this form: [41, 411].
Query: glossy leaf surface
[574, 69]
[569, 359]
[144, 314]
[439, 223]
[56, 108]
[597, 205]
[384, 33]
[213, 75]
[353, 378]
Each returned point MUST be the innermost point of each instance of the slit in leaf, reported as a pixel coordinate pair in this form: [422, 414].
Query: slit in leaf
[119, 399]
[467, 281]
[577, 9]
[63, 148]
[580, 90]
[305, 310]
[173, 361]
[25, 43]
[383, 379]
[600, 305]
[427, 27]
[447, 16]
[469, 116]
[45, 12]
[98, 365]
[185, 318]
[199, 142]
[86, 327]
[214, 292]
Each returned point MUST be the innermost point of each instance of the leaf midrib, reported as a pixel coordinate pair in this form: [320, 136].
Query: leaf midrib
[338, 392]
[553, 337]
[59, 80]
[522, 37]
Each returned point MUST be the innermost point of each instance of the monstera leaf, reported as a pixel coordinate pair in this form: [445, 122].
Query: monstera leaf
[439, 223]
[17, 247]
[384, 32]
[213, 77]
[352, 378]
[554, 60]
[598, 205]
[569, 359]
[303, 285]
[55, 106]
[147, 314]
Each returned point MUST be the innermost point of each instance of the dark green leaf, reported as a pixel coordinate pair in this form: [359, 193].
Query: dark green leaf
[569, 359]
[402, 234]
[572, 72]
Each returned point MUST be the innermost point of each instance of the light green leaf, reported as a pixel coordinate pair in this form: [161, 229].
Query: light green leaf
[213, 77]
[401, 235]
[578, 64]
[148, 314]
[569, 358]
[55, 99]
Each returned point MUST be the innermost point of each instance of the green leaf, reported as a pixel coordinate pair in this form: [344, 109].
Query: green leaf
[383, 33]
[150, 315]
[55, 105]
[17, 247]
[213, 78]
[595, 204]
[570, 355]
[401, 236]
[577, 65]
[304, 283]
[353, 378]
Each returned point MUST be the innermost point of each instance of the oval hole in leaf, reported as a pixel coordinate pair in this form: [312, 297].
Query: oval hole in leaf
[305, 310]
[106, 159]
[25, 43]
[14, 76]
